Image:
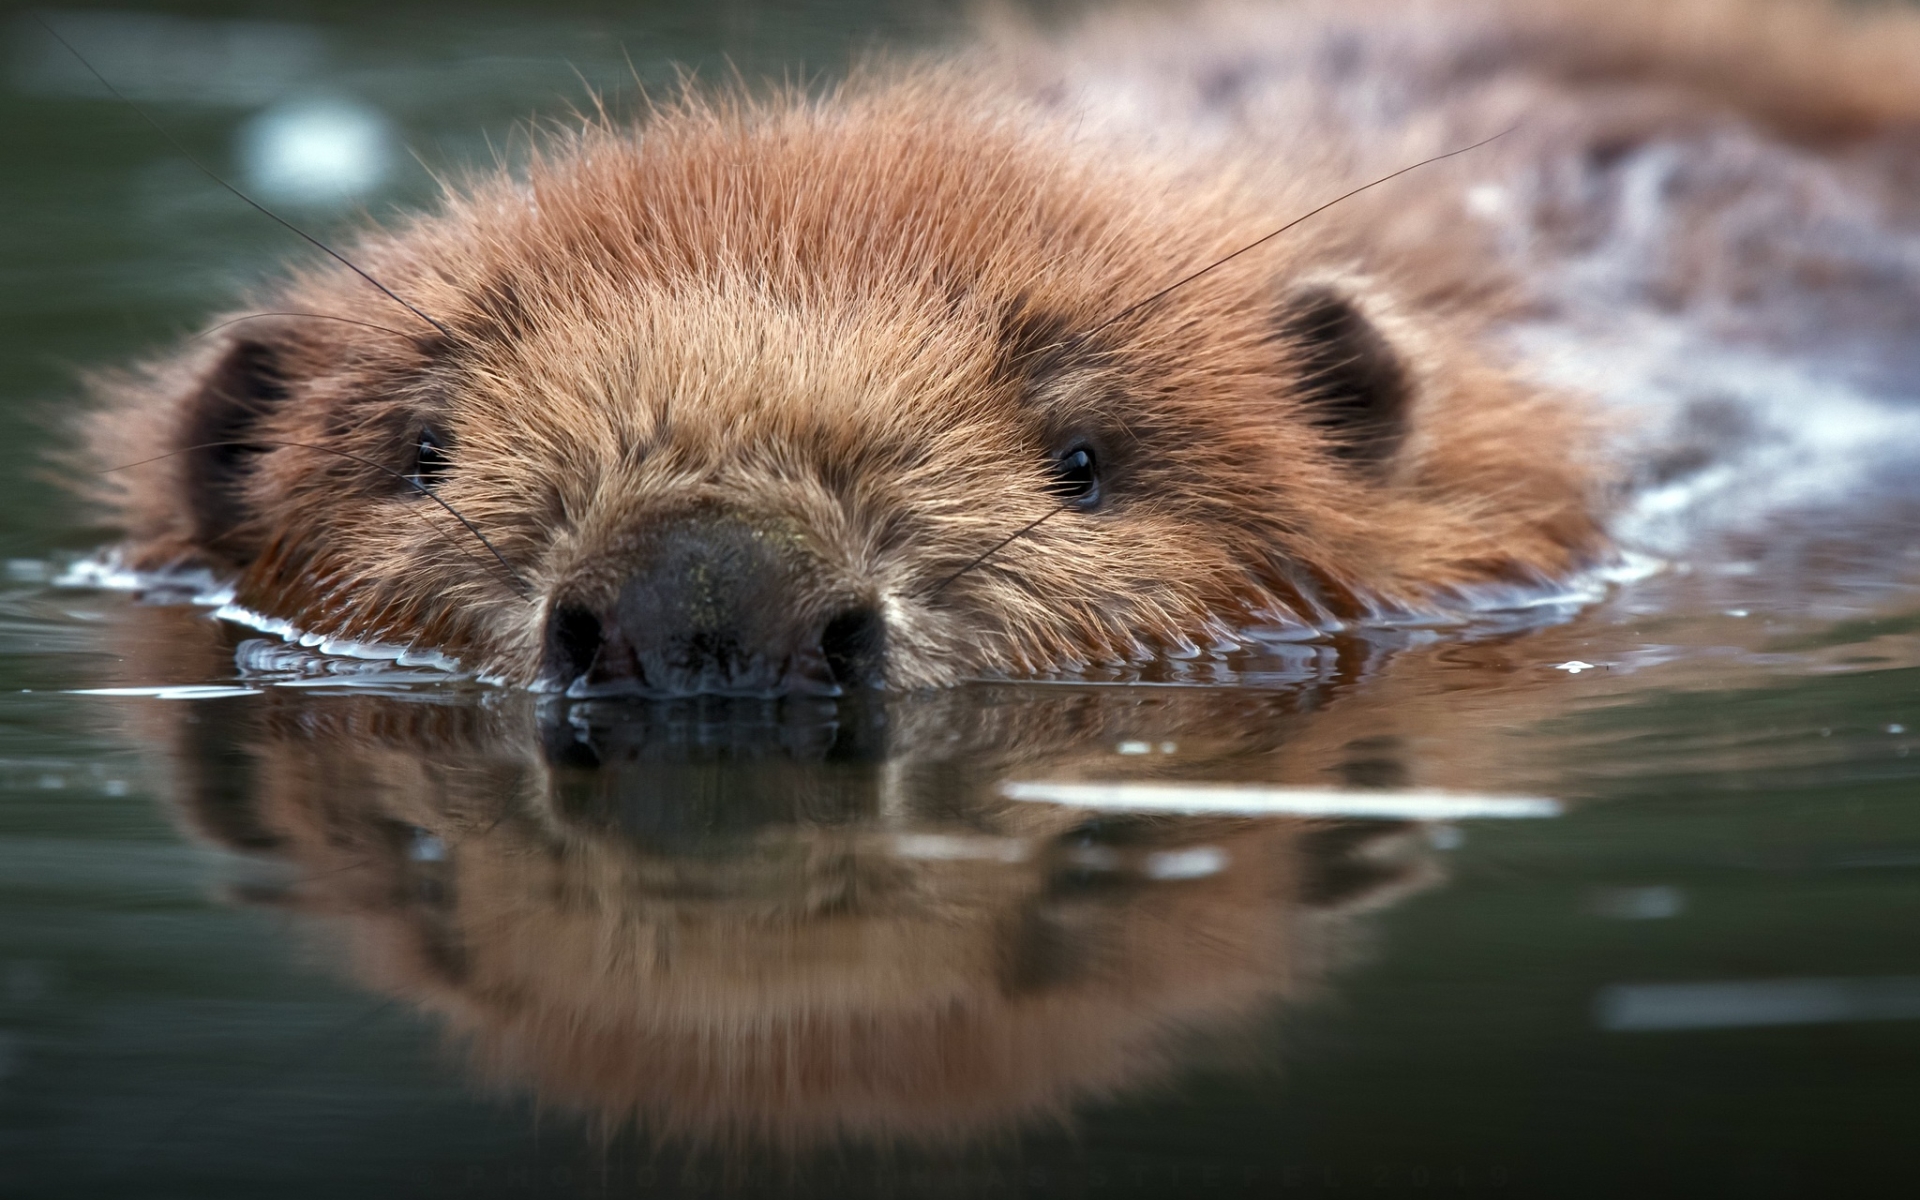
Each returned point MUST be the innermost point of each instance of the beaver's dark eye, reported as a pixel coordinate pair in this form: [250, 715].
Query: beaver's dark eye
[1076, 477]
[432, 457]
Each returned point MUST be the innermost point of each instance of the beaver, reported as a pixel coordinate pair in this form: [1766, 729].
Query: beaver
[958, 369]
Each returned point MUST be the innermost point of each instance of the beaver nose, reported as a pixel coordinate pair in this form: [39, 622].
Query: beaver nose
[718, 607]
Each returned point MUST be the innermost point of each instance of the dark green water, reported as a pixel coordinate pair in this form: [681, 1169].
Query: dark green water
[331, 931]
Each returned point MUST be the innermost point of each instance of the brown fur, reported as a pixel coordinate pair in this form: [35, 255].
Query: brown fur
[857, 327]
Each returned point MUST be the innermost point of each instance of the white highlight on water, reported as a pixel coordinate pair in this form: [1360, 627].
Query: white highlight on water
[404, 656]
[1747, 1004]
[1194, 862]
[1259, 801]
[183, 692]
[107, 572]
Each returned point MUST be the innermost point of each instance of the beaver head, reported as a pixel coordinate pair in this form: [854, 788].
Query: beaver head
[799, 394]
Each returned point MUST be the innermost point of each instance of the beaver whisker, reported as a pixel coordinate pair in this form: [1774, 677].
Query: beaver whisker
[342, 259]
[996, 548]
[1163, 293]
[519, 583]
[213, 329]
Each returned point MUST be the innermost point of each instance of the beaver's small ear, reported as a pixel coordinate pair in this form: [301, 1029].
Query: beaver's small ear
[1356, 386]
[220, 422]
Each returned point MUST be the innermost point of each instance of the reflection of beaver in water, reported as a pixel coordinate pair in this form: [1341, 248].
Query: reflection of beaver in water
[849, 939]
[791, 394]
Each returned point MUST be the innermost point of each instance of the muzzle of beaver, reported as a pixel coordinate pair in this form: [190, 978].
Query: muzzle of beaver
[717, 606]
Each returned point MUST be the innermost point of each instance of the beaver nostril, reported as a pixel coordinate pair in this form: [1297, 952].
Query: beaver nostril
[853, 643]
[574, 637]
